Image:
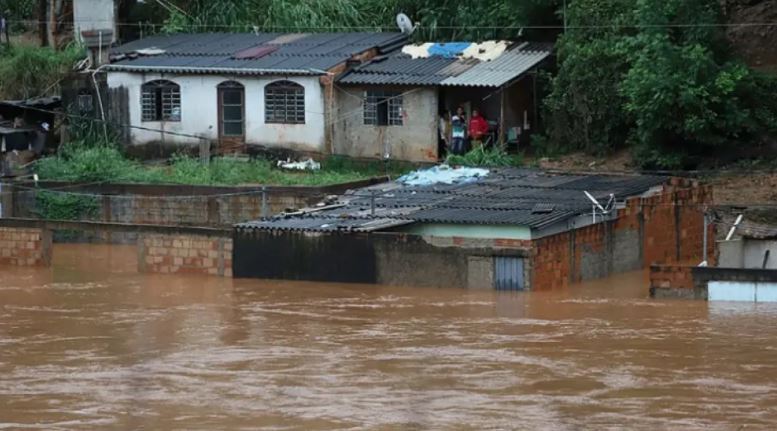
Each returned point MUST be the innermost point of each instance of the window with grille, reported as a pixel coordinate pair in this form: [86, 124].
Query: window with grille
[284, 103]
[161, 101]
[383, 108]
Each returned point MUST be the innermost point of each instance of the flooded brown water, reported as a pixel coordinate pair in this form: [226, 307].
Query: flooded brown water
[89, 344]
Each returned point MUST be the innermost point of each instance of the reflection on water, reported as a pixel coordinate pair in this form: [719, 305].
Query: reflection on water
[89, 344]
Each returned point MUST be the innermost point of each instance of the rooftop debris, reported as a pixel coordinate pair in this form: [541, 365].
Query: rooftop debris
[443, 174]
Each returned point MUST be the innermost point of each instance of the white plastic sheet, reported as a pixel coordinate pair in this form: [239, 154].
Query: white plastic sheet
[443, 174]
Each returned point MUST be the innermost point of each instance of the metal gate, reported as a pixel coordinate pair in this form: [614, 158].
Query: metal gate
[508, 273]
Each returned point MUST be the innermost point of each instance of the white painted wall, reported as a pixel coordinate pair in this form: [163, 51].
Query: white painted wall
[199, 111]
[94, 15]
[741, 291]
[747, 253]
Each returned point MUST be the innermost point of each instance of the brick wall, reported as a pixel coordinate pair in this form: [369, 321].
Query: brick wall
[185, 254]
[671, 276]
[660, 229]
[25, 246]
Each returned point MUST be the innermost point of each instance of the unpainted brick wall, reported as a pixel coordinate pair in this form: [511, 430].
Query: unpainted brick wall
[185, 254]
[660, 229]
[25, 246]
[671, 277]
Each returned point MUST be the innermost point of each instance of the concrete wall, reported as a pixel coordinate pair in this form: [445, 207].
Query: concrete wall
[21, 246]
[185, 254]
[199, 112]
[468, 231]
[416, 140]
[173, 205]
[384, 258]
[94, 15]
[692, 282]
[747, 253]
[664, 228]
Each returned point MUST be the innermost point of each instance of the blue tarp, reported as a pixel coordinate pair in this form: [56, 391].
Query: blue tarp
[448, 50]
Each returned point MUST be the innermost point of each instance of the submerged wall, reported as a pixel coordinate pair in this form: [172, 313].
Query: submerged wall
[25, 246]
[693, 282]
[384, 258]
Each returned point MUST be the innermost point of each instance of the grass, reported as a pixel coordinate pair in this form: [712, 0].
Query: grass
[105, 163]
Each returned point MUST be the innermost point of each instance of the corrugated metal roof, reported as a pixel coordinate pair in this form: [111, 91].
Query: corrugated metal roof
[500, 71]
[504, 197]
[401, 69]
[323, 224]
[306, 54]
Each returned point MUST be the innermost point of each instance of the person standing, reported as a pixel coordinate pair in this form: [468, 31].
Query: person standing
[478, 129]
[458, 135]
[444, 127]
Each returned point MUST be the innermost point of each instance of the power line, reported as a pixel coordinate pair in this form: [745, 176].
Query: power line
[449, 27]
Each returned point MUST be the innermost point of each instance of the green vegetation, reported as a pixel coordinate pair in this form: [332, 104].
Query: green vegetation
[656, 76]
[30, 71]
[438, 19]
[66, 206]
[491, 158]
[105, 163]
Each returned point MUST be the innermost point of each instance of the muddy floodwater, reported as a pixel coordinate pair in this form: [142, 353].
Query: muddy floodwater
[90, 345]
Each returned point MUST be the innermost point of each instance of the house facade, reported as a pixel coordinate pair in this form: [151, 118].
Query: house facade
[403, 94]
[236, 90]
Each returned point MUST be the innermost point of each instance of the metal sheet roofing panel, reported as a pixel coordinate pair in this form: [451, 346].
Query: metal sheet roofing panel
[505, 68]
[320, 224]
[214, 52]
[519, 197]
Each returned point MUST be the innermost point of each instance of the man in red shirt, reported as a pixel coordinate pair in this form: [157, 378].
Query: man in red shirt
[478, 129]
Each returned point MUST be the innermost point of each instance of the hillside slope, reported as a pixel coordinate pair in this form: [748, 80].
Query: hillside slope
[756, 44]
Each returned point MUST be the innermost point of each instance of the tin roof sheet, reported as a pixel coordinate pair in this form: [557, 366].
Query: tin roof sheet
[401, 69]
[308, 54]
[504, 197]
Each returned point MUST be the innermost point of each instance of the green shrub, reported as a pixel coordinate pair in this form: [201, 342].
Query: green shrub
[31, 71]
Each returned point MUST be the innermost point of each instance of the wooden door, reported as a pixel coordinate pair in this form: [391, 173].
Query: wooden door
[231, 102]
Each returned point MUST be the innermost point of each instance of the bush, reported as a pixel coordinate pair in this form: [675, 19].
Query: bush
[30, 71]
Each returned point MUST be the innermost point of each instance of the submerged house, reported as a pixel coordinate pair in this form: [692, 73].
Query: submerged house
[404, 93]
[510, 229]
[265, 89]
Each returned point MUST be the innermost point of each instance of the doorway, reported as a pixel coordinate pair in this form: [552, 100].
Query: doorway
[231, 102]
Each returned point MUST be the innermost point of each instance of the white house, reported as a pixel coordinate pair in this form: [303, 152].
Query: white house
[267, 89]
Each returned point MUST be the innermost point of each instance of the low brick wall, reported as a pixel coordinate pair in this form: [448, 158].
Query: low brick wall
[25, 246]
[674, 281]
[690, 282]
[185, 254]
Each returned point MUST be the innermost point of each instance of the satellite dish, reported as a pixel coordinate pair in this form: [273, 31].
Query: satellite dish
[405, 24]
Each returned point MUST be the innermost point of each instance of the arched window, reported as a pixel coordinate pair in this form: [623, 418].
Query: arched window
[160, 100]
[284, 103]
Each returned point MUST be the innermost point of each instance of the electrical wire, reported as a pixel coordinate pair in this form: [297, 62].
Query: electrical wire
[449, 27]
